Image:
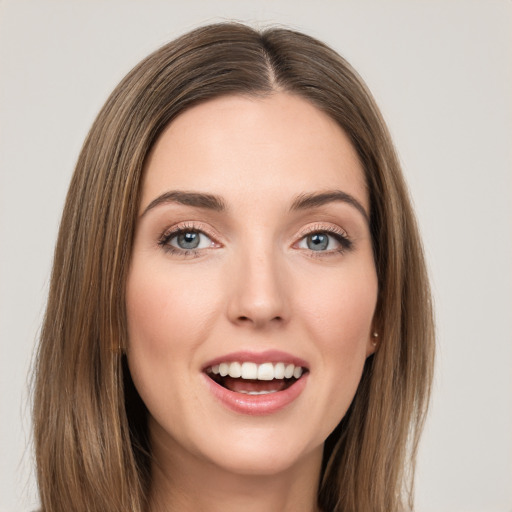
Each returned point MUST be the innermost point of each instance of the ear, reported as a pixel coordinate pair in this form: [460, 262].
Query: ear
[373, 342]
[374, 336]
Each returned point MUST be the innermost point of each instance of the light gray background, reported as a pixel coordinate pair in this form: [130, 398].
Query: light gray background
[441, 72]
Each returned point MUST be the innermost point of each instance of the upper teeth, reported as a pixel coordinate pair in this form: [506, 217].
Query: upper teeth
[265, 371]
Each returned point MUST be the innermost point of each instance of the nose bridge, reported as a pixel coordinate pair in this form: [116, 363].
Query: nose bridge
[258, 293]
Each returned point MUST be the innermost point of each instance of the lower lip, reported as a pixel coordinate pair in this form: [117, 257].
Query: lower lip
[257, 405]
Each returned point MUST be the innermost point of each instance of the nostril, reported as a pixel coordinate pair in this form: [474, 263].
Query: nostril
[247, 319]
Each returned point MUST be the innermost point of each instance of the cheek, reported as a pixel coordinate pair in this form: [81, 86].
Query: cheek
[169, 316]
[340, 311]
[338, 316]
[164, 308]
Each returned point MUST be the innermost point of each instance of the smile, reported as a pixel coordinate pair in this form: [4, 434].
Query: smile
[255, 379]
[256, 384]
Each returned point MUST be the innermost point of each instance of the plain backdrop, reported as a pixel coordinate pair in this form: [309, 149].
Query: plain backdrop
[441, 72]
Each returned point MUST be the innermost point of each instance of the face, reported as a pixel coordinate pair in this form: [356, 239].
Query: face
[252, 285]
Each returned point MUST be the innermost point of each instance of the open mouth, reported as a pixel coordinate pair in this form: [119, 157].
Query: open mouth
[255, 379]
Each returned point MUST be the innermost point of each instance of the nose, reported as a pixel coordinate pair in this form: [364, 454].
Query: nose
[258, 296]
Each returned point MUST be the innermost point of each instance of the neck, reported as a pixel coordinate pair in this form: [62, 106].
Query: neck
[191, 484]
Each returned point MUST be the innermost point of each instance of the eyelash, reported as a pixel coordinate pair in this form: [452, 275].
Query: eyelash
[175, 231]
[338, 234]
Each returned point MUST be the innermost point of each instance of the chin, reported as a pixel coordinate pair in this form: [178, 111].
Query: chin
[255, 459]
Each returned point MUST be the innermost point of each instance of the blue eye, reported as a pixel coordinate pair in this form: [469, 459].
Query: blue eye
[183, 240]
[317, 241]
[188, 240]
[324, 241]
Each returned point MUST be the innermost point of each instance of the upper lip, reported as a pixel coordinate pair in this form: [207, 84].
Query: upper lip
[267, 356]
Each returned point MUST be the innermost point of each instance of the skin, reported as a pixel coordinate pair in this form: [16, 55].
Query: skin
[254, 284]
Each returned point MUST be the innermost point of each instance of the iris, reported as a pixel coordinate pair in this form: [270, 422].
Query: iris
[188, 240]
[318, 241]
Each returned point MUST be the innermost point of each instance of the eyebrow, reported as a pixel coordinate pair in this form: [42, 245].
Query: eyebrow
[197, 199]
[315, 200]
[216, 203]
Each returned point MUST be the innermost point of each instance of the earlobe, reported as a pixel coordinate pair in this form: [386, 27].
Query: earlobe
[374, 343]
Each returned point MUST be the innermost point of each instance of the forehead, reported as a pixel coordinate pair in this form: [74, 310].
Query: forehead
[247, 147]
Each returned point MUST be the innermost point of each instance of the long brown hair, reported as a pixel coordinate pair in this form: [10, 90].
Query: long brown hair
[91, 443]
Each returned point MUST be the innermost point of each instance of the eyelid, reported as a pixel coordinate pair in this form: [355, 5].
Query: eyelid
[322, 227]
[185, 226]
[203, 238]
[331, 229]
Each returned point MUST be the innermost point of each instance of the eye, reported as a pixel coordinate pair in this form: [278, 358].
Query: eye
[190, 239]
[319, 242]
[185, 241]
[329, 241]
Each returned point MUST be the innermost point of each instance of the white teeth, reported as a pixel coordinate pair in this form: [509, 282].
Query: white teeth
[235, 370]
[266, 371]
[288, 371]
[223, 369]
[279, 371]
[249, 371]
[253, 371]
[258, 392]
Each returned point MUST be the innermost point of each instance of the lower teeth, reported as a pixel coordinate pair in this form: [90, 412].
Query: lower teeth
[232, 383]
[258, 392]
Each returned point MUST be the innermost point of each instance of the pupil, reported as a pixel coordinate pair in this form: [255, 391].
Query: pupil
[189, 240]
[318, 242]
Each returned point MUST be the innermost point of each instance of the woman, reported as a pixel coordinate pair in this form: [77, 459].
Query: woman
[239, 314]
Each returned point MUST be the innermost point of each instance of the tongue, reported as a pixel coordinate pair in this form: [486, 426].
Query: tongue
[240, 385]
